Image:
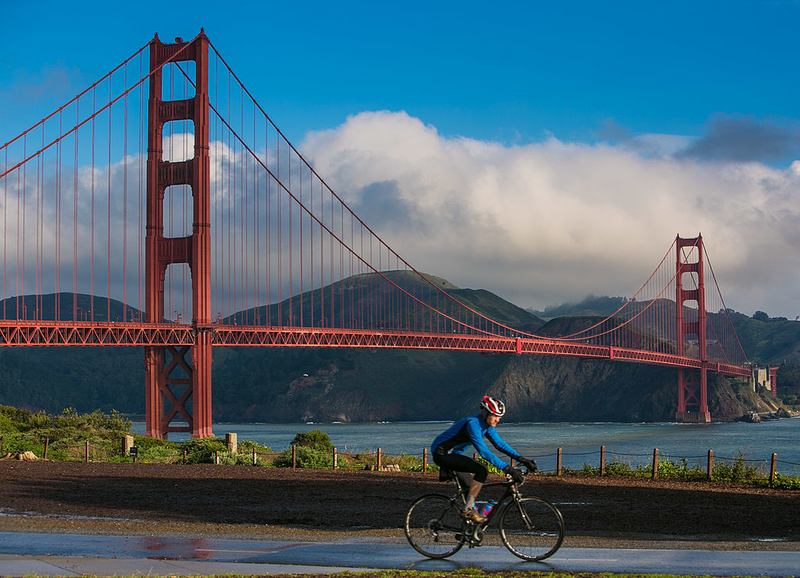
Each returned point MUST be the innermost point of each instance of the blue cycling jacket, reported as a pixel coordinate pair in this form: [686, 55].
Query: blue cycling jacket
[471, 431]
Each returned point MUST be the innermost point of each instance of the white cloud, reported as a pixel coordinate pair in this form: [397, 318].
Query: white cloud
[551, 222]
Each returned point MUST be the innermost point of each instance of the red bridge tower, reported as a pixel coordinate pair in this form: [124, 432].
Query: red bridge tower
[692, 390]
[170, 376]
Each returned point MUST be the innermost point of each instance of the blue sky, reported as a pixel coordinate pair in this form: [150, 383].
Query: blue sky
[513, 72]
[685, 100]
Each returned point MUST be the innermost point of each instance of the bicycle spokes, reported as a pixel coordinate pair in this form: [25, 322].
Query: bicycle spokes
[434, 526]
[532, 528]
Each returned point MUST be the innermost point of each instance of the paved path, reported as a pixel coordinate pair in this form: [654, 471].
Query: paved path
[24, 554]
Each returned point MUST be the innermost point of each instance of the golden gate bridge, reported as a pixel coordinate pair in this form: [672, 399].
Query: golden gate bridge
[163, 208]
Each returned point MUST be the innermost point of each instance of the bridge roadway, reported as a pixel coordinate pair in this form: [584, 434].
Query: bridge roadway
[23, 554]
[25, 333]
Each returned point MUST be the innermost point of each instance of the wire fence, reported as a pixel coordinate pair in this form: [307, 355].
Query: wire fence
[602, 462]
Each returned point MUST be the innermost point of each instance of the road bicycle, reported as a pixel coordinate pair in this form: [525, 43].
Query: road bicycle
[530, 527]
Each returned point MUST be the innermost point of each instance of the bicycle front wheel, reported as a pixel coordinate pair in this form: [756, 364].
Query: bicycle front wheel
[434, 526]
[532, 528]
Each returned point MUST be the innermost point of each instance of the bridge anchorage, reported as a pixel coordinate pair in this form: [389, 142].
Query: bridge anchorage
[234, 240]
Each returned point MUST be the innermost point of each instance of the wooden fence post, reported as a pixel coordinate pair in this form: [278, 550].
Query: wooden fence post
[602, 460]
[655, 463]
[232, 442]
[46, 445]
[255, 456]
[710, 467]
[773, 466]
[424, 460]
[184, 457]
[379, 459]
[216, 457]
[127, 443]
[335, 459]
[87, 451]
[294, 456]
[558, 462]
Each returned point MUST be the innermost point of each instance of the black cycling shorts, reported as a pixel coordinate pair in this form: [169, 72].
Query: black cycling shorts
[460, 463]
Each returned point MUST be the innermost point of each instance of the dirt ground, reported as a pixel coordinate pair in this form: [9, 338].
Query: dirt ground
[254, 501]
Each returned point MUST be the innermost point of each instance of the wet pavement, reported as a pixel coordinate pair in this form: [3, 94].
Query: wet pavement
[38, 554]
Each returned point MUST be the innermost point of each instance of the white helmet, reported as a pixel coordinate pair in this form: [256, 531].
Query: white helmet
[493, 406]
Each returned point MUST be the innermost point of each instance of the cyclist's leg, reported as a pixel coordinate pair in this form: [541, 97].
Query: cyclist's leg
[463, 466]
[464, 481]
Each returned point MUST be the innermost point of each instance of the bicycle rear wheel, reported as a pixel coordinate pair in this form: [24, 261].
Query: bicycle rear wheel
[532, 528]
[434, 526]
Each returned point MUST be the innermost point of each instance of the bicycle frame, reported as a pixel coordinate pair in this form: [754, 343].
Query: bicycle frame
[475, 531]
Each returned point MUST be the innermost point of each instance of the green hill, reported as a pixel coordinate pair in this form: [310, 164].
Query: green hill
[350, 298]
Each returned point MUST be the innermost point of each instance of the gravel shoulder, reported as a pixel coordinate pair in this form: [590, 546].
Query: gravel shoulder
[281, 503]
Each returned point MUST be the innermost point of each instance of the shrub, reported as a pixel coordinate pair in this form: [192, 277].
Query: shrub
[146, 444]
[237, 459]
[587, 469]
[682, 469]
[247, 446]
[736, 471]
[163, 454]
[315, 439]
[203, 451]
[406, 462]
[785, 482]
[23, 430]
[615, 468]
[306, 458]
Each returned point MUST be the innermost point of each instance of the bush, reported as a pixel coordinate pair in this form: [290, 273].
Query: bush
[67, 433]
[306, 458]
[315, 440]
[681, 470]
[736, 471]
[785, 482]
[247, 446]
[615, 468]
[406, 462]
[97, 421]
[237, 459]
[161, 454]
[203, 451]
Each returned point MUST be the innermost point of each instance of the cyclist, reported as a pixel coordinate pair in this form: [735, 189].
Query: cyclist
[448, 446]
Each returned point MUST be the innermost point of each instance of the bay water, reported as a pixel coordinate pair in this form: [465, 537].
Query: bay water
[631, 443]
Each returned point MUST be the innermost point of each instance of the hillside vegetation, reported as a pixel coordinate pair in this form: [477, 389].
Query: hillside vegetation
[318, 384]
